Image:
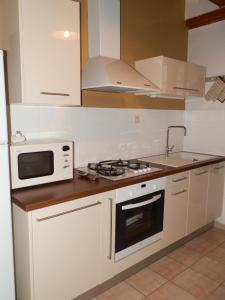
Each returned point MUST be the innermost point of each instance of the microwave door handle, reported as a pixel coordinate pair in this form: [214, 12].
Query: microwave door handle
[131, 206]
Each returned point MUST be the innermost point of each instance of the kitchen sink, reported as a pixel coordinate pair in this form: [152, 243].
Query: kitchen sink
[178, 159]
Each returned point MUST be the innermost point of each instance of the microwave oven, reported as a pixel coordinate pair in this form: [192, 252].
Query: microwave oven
[37, 162]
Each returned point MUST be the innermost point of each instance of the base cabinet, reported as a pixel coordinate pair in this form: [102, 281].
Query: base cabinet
[176, 207]
[215, 194]
[65, 252]
[198, 194]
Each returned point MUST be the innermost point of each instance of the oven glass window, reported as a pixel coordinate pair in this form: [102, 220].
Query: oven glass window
[35, 164]
[135, 224]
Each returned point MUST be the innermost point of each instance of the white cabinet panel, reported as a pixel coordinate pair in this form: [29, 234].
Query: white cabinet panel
[175, 78]
[216, 190]
[66, 251]
[198, 194]
[46, 49]
[176, 207]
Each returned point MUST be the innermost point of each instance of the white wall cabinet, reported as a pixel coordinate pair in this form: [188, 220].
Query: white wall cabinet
[215, 193]
[61, 251]
[198, 194]
[176, 207]
[43, 43]
[175, 78]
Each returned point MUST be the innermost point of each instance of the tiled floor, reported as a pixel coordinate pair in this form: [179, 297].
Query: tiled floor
[195, 271]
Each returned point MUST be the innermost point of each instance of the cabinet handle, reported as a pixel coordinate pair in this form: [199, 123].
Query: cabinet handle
[180, 179]
[110, 230]
[67, 212]
[185, 89]
[55, 94]
[179, 193]
[201, 173]
[218, 168]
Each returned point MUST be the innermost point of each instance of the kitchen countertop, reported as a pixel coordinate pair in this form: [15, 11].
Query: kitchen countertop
[54, 193]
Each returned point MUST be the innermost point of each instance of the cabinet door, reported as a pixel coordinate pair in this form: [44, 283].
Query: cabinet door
[195, 80]
[197, 198]
[50, 51]
[66, 249]
[216, 190]
[173, 76]
[176, 207]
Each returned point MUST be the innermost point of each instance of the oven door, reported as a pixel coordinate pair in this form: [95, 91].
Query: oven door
[139, 222]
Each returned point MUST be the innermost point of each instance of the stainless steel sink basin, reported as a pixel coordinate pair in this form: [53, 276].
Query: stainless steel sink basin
[178, 159]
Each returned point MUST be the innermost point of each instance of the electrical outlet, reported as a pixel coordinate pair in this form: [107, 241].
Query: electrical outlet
[137, 119]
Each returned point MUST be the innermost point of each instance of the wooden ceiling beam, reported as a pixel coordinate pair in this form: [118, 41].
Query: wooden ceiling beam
[205, 19]
[219, 3]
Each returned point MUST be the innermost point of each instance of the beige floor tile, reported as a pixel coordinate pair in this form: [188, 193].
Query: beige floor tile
[195, 283]
[217, 254]
[146, 281]
[210, 268]
[121, 291]
[222, 245]
[170, 291]
[215, 236]
[200, 245]
[218, 294]
[185, 256]
[168, 267]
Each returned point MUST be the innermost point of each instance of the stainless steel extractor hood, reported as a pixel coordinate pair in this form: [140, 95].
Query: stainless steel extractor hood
[104, 70]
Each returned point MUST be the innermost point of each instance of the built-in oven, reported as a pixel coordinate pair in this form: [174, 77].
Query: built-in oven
[139, 216]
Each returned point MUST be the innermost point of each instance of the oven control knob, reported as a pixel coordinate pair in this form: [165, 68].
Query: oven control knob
[136, 172]
[145, 170]
[149, 169]
[130, 194]
[154, 186]
[140, 171]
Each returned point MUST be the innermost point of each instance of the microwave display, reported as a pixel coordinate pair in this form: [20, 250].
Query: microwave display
[35, 164]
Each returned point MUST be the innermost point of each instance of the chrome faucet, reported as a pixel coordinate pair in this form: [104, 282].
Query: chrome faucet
[168, 148]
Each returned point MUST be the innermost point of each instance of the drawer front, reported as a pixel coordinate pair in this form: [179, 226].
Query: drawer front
[178, 179]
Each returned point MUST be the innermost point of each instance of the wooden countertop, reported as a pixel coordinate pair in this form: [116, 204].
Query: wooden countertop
[54, 193]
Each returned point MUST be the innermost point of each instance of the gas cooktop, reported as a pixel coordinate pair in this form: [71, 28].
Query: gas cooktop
[118, 169]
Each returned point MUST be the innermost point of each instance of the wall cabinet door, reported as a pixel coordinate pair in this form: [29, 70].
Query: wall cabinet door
[198, 193]
[176, 207]
[45, 50]
[216, 191]
[175, 78]
[66, 250]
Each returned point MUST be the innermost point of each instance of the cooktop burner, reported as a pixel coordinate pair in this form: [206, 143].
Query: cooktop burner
[120, 169]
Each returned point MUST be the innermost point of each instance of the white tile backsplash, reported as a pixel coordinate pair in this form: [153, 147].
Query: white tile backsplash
[100, 133]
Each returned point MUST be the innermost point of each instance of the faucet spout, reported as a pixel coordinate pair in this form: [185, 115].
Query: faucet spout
[168, 148]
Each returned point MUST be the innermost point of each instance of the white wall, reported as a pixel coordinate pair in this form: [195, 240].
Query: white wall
[101, 134]
[197, 7]
[205, 121]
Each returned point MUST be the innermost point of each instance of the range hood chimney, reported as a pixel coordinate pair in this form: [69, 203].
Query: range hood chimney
[104, 70]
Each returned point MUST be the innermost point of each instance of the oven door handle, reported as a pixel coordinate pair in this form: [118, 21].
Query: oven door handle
[131, 206]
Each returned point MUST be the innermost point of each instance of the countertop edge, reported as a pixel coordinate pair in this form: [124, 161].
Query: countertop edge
[94, 188]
